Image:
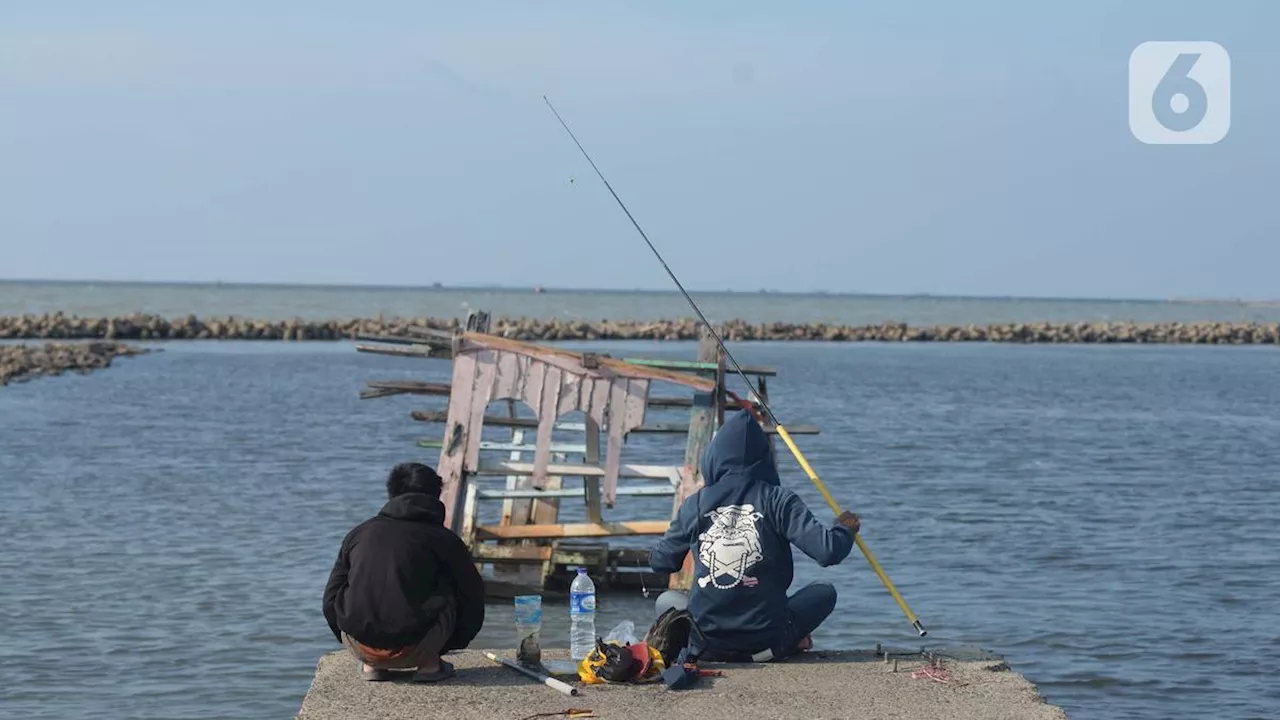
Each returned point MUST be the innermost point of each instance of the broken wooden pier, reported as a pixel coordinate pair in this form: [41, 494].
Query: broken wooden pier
[527, 426]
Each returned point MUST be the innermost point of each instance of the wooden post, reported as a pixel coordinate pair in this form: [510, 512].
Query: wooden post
[592, 484]
[763, 393]
[546, 511]
[707, 410]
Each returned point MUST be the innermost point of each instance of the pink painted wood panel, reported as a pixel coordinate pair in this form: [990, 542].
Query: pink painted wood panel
[453, 457]
[549, 402]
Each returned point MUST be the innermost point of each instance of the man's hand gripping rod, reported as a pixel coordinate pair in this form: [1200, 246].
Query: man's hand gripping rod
[782, 431]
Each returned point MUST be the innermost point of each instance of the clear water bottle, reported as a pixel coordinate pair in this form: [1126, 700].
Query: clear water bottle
[582, 615]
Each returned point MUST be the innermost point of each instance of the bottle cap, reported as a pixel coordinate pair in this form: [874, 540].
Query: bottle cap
[582, 571]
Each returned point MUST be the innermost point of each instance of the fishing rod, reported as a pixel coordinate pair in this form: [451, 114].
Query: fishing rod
[782, 431]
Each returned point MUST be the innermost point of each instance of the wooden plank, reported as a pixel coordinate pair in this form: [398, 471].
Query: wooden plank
[538, 554]
[570, 394]
[531, 374]
[549, 400]
[701, 367]
[637, 527]
[498, 446]
[469, 509]
[591, 485]
[508, 383]
[453, 454]
[633, 416]
[670, 473]
[440, 343]
[410, 387]
[637, 490]
[431, 416]
[433, 338]
[384, 388]
[613, 443]
[598, 406]
[546, 509]
[481, 396]
[420, 351]
[570, 361]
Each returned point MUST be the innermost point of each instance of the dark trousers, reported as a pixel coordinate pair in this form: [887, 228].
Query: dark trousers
[807, 608]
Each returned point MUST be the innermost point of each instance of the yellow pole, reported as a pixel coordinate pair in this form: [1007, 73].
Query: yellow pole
[835, 507]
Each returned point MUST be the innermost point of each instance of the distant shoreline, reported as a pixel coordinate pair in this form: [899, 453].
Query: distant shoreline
[58, 326]
[550, 290]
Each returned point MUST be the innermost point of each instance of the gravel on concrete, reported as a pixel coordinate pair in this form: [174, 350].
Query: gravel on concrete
[819, 685]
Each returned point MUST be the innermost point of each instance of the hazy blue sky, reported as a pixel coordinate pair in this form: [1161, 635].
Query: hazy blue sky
[949, 147]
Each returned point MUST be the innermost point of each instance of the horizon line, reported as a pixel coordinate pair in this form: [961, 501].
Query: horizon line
[437, 286]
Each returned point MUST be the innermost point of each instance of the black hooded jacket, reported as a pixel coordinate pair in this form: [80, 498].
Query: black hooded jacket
[393, 573]
[741, 526]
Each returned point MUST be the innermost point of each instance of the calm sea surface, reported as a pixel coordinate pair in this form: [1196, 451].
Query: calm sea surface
[317, 303]
[1104, 516]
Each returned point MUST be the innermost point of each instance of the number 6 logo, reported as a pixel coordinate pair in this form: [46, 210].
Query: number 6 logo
[1179, 93]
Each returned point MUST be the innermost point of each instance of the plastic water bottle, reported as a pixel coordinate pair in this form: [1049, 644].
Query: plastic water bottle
[582, 615]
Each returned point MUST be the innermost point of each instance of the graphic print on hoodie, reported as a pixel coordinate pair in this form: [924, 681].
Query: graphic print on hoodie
[741, 526]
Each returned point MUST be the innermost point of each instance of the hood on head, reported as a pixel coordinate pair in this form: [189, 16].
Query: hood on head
[414, 507]
[739, 452]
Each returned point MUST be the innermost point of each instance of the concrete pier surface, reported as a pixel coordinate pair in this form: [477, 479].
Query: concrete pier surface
[817, 685]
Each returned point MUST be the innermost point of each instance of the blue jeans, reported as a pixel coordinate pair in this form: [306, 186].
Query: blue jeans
[806, 609]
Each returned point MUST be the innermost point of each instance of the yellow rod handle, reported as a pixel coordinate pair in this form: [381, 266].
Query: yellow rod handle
[835, 507]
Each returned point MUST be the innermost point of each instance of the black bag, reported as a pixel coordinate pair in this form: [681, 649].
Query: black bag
[618, 665]
[673, 631]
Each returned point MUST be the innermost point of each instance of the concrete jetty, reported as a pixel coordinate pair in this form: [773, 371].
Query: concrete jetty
[153, 327]
[816, 685]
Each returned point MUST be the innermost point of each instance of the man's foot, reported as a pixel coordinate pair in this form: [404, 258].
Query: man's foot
[427, 675]
[806, 643]
[373, 674]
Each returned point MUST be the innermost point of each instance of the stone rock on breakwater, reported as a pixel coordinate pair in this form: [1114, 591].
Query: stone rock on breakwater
[23, 362]
[154, 327]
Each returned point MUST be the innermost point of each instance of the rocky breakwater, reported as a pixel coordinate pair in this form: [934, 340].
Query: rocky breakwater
[24, 362]
[153, 327]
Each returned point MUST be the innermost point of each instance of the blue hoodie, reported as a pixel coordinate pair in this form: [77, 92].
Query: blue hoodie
[743, 523]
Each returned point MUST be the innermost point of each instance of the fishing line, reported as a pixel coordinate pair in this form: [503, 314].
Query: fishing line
[719, 341]
[778, 427]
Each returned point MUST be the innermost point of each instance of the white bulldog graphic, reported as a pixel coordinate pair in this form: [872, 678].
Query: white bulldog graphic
[730, 547]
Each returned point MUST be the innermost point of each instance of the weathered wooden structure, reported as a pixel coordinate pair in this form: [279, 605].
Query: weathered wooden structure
[527, 467]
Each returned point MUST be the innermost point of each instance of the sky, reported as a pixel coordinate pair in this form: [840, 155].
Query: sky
[955, 148]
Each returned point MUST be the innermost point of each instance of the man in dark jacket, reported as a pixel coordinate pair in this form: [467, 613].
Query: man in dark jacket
[404, 588]
[741, 526]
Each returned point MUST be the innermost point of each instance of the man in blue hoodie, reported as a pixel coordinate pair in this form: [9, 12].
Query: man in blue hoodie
[741, 526]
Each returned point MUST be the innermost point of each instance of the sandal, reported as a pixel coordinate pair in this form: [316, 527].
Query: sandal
[375, 675]
[444, 673]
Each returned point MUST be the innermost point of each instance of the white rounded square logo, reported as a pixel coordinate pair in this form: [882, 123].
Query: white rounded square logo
[1179, 93]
